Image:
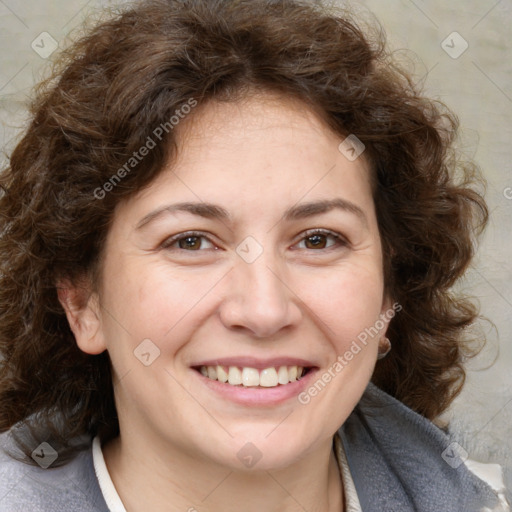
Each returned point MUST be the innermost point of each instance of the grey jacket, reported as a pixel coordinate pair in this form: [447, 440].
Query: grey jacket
[400, 462]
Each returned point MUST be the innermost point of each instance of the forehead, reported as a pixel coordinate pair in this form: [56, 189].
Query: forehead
[268, 119]
[257, 154]
[262, 136]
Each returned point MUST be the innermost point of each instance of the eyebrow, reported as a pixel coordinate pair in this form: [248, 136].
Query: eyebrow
[305, 210]
[296, 212]
[206, 210]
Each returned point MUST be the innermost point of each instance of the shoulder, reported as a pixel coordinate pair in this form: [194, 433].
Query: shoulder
[26, 487]
[412, 464]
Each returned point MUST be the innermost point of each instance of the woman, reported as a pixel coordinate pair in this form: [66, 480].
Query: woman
[219, 217]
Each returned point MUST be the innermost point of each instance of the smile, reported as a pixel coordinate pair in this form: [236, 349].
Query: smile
[256, 382]
[252, 377]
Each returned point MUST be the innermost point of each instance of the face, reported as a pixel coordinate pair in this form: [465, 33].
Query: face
[254, 255]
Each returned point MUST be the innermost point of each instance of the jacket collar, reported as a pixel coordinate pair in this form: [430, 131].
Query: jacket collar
[401, 461]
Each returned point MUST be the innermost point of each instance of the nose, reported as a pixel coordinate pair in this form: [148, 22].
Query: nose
[259, 299]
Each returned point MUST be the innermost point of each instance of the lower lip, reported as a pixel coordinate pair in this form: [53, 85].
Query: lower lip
[258, 396]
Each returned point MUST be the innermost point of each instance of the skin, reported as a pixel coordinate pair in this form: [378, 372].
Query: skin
[179, 440]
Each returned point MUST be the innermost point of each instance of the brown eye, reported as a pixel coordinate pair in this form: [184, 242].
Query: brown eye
[320, 239]
[316, 242]
[192, 243]
[188, 242]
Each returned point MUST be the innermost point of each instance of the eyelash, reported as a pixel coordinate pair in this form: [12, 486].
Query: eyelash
[169, 242]
[339, 241]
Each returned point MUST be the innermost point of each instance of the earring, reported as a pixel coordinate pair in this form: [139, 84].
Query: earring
[385, 348]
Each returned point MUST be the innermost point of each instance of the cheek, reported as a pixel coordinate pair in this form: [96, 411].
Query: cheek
[347, 303]
[149, 300]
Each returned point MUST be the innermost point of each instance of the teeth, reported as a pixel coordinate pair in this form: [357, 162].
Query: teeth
[282, 375]
[268, 378]
[234, 376]
[251, 377]
[222, 376]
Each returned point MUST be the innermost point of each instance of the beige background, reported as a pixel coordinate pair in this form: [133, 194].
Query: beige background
[477, 85]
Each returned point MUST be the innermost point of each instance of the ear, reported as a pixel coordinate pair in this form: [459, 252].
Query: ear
[83, 313]
[387, 304]
[388, 311]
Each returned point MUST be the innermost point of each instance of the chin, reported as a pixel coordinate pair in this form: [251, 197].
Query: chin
[253, 453]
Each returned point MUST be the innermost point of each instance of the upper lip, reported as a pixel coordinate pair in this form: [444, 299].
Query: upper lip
[254, 362]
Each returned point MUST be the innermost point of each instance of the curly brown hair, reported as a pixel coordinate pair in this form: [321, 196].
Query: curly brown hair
[130, 74]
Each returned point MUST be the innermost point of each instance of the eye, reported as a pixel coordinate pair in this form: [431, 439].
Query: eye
[320, 239]
[188, 242]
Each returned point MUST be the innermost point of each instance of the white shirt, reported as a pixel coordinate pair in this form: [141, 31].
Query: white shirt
[108, 490]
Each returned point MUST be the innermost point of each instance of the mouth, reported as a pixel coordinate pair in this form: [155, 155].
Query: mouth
[269, 376]
[254, 382]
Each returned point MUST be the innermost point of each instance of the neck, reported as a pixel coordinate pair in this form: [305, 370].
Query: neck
[164, 480]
